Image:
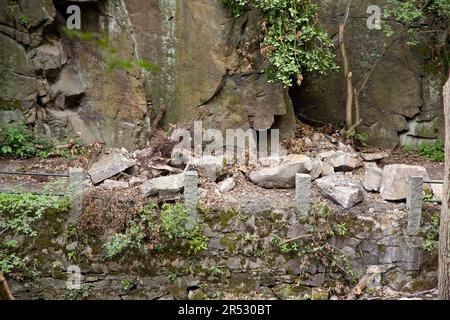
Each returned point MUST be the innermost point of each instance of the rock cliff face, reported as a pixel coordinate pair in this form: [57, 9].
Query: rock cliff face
[402, 100]
[209, 69]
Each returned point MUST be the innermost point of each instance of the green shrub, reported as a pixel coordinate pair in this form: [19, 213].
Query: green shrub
[293, 41]
[173, 221]
[432, 233]
[18, 142]
[435, 151]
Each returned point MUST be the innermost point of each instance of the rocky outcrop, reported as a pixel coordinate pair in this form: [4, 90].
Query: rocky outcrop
[209, 67]
[401, 102]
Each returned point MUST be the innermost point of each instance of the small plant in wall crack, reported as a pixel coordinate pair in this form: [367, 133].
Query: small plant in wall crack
[315, 246]
[23, 20]
[432, 233]
[154, 228]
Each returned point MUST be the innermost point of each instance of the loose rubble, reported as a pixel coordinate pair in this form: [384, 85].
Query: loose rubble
[341, 189]
[109, 166]
[227, 185]
[282, 176]
[343, 161]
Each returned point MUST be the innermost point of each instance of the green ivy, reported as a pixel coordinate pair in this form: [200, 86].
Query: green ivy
[293, 41]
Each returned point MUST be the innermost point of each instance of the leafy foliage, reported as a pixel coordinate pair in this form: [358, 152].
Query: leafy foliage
[420, 17]
[356, 138]
[435, 151]
[17, 141]
[293, 41]
[23, 20]
[432, 233]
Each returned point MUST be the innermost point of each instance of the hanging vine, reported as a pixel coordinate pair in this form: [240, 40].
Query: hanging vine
[293, 41]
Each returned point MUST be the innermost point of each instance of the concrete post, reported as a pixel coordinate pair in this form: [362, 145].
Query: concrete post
[414, 204]
[191, 197]
[303, 194]
[76, 191]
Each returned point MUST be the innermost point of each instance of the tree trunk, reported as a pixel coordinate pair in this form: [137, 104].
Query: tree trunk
[348, 77]
[444, 237]
[5, 293]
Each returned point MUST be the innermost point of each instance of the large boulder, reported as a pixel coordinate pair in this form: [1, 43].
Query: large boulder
[165, 185]
[16, 81]
[374, 156]
[341, 189]
[396, 180]
[47, 58]
[317, 168]
[227, 185]
[282, 176]
[373, 178]
[109, 166]
[209, 167]
[344, 161]
[68, 88]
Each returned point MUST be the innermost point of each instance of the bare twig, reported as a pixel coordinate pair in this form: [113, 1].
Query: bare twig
[303, 236]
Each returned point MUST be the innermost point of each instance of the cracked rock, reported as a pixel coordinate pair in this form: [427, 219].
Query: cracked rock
[282, 176]
[341, 189]
[109, 166]
[396, 180]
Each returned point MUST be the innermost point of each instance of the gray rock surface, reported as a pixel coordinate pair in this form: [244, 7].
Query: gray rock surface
[108, 166]
[395, 180]
[282, 176]
[373, 177]
[343, 161]
[227, 185]
[341, 189]
[209, 167]
[166, 184]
